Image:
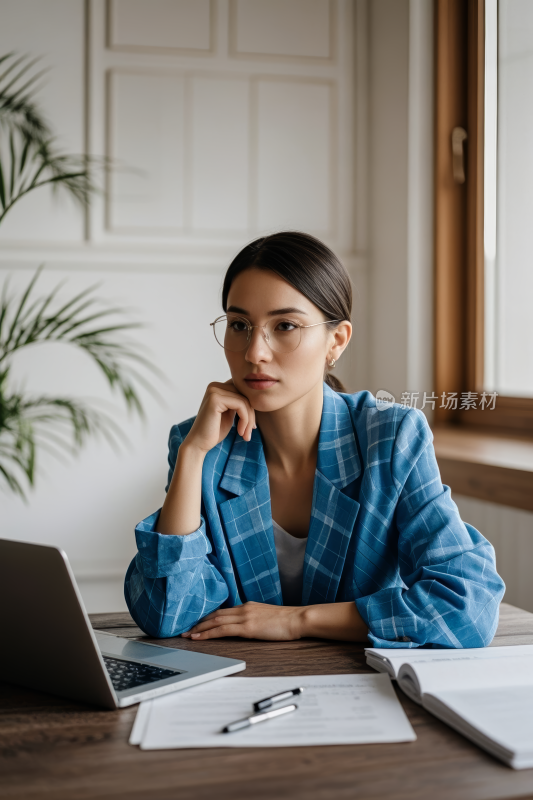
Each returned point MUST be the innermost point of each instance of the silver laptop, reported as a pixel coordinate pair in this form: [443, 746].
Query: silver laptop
[48, 642]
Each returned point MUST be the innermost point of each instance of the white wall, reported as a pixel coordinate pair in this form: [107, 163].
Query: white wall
[401, 196]
[375, 65]
[510, 531]
[241, 117]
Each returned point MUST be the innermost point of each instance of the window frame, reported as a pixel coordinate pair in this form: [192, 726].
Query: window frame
[459, 244]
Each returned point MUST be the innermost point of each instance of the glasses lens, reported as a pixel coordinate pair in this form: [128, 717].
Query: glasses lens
[231, 333]
[283, 335]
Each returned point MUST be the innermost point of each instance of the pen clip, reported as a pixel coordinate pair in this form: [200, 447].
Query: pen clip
[267, 702]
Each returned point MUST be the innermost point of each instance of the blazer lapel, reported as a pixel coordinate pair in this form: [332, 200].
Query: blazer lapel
[333, 513]
[247, 519]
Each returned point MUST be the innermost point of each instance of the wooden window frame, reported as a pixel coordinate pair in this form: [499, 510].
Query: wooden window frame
[459, 245]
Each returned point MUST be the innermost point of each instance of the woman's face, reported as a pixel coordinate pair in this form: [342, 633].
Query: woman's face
[270, 379]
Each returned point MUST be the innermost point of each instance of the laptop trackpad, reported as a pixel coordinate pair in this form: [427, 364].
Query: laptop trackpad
[125, 648]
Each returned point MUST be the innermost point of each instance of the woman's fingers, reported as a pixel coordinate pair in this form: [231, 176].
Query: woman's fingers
[220, 404]
[223, 612]
[251, 425]
[217, 619]
[222, 618]
[219, 633]
[214, 622]
[250, 621]
[227, 400]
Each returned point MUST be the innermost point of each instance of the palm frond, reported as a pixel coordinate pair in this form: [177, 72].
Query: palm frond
[17, 109]
[78, 321]
[26, 165]
[62, 424]
[30, 157]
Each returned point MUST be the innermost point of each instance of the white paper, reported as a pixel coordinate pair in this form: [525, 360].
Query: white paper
[487, 674]
[395, 657]
[333, 709]
[504, 715]
[141, 719]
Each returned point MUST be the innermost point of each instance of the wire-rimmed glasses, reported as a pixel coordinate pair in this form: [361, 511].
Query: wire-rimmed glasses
[234, 333]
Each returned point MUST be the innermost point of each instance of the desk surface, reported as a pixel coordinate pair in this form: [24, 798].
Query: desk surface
[55, 749]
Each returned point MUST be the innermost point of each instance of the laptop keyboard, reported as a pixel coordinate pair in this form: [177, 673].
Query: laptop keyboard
[129, 674]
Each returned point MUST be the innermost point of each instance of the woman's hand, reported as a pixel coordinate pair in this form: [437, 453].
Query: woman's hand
[251, 621]
[216, 414]
[340, 621]
[180, 514]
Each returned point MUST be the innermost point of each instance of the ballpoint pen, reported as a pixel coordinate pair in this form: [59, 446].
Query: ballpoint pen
[247, 722]
[261, 705]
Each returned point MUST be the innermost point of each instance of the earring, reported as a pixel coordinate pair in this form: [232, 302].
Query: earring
[331, 363]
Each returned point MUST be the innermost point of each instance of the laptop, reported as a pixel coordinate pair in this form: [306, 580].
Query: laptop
[48, 642]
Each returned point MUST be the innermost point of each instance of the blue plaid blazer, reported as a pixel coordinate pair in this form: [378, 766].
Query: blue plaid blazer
[384, 533]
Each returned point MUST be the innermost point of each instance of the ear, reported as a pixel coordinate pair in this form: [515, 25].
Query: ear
[341, 336]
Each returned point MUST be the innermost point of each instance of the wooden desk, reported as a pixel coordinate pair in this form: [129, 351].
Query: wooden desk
[53, 749]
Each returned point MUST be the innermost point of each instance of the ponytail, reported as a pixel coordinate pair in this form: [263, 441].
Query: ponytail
[334, 383]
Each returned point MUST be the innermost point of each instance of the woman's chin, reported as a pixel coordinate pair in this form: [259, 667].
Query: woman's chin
[261, 402]
[262, 399]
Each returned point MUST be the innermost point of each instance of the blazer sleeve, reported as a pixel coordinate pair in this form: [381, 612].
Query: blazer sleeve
[173, 581]
[451, 591]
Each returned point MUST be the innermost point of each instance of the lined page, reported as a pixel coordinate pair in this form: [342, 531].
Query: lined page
[334, 709]
[442, 676]
[395, 657]
[504, 715]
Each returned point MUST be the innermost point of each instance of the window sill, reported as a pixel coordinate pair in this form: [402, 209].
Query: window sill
[486, 465]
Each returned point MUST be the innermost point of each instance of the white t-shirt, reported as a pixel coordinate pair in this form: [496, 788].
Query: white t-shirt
[290, 552]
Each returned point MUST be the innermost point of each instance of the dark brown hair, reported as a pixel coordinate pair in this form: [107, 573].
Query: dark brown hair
[308, 265]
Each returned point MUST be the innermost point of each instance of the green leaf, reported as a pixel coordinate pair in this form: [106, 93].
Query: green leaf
[2, 187]
[35, 158]
[24, 154]
[12, 481]
[13, 163]
[61, 425]
[14, 64]
[20, 308]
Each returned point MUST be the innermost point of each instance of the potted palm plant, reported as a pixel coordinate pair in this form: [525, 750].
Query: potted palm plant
[30, 159]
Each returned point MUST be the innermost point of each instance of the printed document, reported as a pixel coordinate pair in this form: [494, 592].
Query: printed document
[333, 709]
[391, 659]
[486, 693]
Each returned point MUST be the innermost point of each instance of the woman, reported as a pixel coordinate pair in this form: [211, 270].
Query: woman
[294, 510]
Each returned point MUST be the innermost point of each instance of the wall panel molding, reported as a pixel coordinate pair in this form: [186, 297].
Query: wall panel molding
[263, 54]
[313, 164]
[150, 258]
[179, 180]
[149, 182]
[113, 39]
[346, 77]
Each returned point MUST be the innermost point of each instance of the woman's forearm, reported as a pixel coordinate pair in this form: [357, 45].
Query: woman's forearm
[334, 621]
[180, 514]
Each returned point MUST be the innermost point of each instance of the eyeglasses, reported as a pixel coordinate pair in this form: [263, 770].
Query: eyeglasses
[234, 333]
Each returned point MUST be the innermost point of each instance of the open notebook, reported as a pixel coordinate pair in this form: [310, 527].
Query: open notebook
[486, 694]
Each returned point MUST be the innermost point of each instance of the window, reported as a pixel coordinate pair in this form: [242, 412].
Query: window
[484, 209]
[508, 228]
